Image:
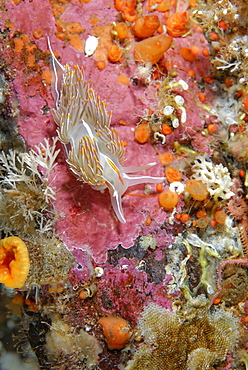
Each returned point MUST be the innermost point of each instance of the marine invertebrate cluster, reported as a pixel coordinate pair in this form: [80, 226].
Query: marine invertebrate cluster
[190, 338]
[26, 194]
[62, 344]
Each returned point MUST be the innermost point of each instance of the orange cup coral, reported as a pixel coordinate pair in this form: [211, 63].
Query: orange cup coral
[168, 199]
[152, 49]
[116, 330]
[220, 216]
[197, 189]
[14, 262]
[172, 174]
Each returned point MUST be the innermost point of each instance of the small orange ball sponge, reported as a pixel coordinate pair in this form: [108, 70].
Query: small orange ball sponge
[116, 330]
[14, 262]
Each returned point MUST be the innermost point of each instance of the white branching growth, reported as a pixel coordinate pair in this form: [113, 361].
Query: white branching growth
[26, 193]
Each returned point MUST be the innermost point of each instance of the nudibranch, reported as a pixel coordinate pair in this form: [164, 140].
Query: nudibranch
[94, 151]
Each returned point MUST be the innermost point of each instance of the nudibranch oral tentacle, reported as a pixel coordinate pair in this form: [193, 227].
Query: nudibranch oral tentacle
[94, 151]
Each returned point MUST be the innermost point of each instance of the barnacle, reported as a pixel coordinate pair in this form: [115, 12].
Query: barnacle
[193, 338]
[14, 262]
[94, 150]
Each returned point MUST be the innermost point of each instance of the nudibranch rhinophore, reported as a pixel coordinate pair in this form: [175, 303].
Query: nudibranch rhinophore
[94, 151]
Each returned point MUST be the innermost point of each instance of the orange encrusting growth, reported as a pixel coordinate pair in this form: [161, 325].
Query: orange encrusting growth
[168, 199]
[172, 174]
[146, 26]
[196, 189]
[152, 49]
[14, 262]
[116, 331]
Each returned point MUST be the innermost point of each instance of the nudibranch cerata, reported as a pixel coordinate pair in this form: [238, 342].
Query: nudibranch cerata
[94, 151]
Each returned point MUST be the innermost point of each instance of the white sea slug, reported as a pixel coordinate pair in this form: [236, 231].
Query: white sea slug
[94, 151]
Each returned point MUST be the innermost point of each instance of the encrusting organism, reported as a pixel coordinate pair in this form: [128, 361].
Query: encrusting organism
[94, 150]
[191, 338]
[14, 262]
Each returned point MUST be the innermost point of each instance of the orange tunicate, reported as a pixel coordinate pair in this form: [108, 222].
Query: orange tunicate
[164, 6]
[168, 199]
[100, 65]
[146, 26]
[14, 262]
[220, 216]
[142, 133]
[128, 9]
[74, 27]
[19, 44]
[178, 24]
[172, 174]
[46, 76]
[123, 79]
[166, 129]
[245, 101]
[187, 54]
[30, 60]
[37, 33]
[201, 214]
[212, 128]
[77, 43]
[116, 331]
[197, 189]
[166, 158]
[115, 53]
[185, 217]
[152, 49]
[122, 30]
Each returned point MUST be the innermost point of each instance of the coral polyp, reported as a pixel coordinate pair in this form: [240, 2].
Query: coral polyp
[14, 262]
